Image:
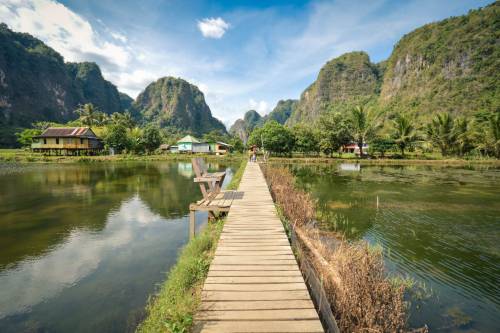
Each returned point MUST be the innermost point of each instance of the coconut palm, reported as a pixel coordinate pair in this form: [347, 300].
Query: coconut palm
[493, 133]
[88, 114]
[462, 133]
[440, 132]
[365, 124]
[404, 133]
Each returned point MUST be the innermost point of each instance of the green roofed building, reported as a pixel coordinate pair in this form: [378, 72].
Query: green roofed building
[190, 144]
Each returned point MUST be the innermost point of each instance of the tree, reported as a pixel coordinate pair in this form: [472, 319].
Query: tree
[25, 138]
[255, 137]
[123, 118]
[117, 138]
[214, 136]
[273, 136]
[381, 145]
[462, 132]
[237, 144]
[151, 138]
[335, 132]
[305, 139]
[88, 114]
[135, 136]
[365, 124]
[440, 132]
[493, 133]
[404, 133]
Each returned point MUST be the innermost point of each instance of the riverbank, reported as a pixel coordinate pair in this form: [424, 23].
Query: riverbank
[25, 156]
[172, 309]
[384, 161]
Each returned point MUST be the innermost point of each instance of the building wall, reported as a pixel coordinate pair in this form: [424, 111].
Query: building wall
[66, 143]
[185, 146]
[201, 148]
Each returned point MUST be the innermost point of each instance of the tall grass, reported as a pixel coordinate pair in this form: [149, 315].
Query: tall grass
[362, 297]
[172, 309]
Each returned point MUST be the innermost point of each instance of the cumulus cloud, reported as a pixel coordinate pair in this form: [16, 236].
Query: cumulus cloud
[67, 32]
[261, 107]
[213, 27]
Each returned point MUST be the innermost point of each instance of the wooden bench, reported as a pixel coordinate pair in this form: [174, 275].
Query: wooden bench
[214, 199]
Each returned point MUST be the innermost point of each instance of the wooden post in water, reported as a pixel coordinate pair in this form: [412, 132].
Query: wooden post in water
[377, 202]
[192, 219]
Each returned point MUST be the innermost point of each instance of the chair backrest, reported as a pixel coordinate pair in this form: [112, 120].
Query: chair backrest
[198, 166]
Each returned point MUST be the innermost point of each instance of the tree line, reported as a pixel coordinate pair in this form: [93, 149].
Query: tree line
[397, 133]
[123, 133]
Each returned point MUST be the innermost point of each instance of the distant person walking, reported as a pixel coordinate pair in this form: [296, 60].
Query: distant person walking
[253, 156]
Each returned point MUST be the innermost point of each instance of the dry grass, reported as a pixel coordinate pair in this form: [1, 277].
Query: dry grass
[362, 297]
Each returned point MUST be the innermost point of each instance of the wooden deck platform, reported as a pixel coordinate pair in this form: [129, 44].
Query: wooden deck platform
[254, 283]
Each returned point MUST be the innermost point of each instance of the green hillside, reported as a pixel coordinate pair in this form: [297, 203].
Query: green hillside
[37, 85]
[451, 65]
[175, 103]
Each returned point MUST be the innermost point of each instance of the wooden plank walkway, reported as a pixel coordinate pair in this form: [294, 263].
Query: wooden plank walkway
[254, 283]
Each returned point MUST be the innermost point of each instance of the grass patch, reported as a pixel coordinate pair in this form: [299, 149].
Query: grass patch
[235, 181]
[26, 156]
[173, 308]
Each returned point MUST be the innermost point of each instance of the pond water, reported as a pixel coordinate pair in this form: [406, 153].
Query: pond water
[83, 246]
[438, 225]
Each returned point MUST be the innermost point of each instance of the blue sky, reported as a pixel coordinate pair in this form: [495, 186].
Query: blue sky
[242, 54]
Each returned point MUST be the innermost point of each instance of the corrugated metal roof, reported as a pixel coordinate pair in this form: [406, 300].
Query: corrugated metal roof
[76, 132]
[188, 139]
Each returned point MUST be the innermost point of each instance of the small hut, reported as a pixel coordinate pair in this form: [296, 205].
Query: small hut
[67, 141]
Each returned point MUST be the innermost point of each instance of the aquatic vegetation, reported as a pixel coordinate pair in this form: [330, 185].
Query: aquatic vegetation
[362, 296]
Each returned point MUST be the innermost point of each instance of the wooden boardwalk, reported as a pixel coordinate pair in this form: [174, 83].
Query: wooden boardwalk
[254, 283]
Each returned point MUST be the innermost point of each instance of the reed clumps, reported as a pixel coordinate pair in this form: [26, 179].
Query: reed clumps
[361, 295]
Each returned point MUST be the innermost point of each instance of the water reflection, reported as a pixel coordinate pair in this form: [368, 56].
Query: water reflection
[81, 247]
[440, 225]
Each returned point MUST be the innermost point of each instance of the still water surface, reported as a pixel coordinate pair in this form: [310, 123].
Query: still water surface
[83, 246]
[438, 225]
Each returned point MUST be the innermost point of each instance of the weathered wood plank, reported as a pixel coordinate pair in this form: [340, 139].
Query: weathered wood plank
[289, 314]
[255, 279]
[220, 267]
[291, 326]
[254, 295]
[254, 273]
[251, 287]
[257, 305]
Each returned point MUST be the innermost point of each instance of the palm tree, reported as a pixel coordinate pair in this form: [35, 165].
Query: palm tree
[440, 132]
[123, 118]
[462, 135]
[494, 133]
[365, 124]
[88, 114]
[404, 132]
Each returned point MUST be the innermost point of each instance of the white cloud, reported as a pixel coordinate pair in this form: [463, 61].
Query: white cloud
[213, 27]
[261, 107]
[67, 32]
[119, 36]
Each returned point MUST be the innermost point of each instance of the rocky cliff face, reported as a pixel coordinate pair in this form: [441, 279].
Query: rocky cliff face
[93, 88]
[282, 111]
[345, 80]
[173, 102]
[451, 65]
[243, 127]
[36, 85]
